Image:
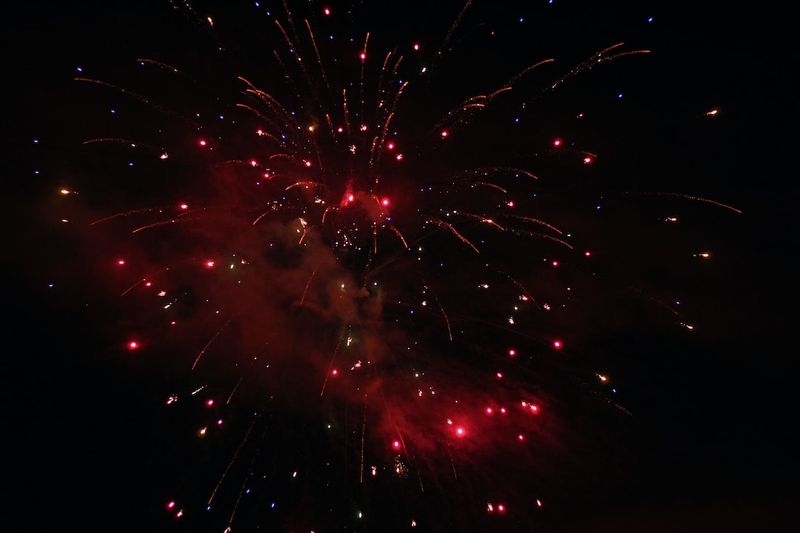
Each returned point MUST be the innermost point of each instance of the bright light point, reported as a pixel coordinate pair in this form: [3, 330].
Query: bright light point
[362, 56]
[385, 202]
[334, 372]
[170, 505]
[350, 197]
[520, 437]
[538, 502]
[588, 160]
[587, 253]
[499, 375]
[202, 142]
[64, 192]
[133, 345]
[557, 143]
[444, 133]
[460, 431]
[326, 11]
[602, 378]
[489, 507]
[184, 207]
[489, 411]
[501, 508]
[416, 47]
[503, 410]
[557, 344]
[510, 203]
[202, 432]
[671, 219]
[307, 164]
[512, 352]
[121, 262]
[209, 263]
[253, 162]
[396, 444]
[399, 157]
[311, 129]
[219, 422]
[704, 255]
[712, 113]
[390, 146]
[555, 264]
[165, 155]
[210, 402]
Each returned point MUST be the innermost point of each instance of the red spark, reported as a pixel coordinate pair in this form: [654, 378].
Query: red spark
[416, 47]
[499, 375]
[170, 505]
[489, 411]
[520, 437]
[399, 157]
[121, 262]
[444, 134]
[307, 164]
[133, 345]
[202, 142]
[588, 253]
[396, 444]
[334, 372]
[460, 432]
[501, 508]
[557, 142]
[385, 202]
[512, 352]
[209, 263]
[326, 11]
[183, 206]
[362, 56]
[588, 160]
[390, 146]
[555, 263]
[557, 344]
[210, 402]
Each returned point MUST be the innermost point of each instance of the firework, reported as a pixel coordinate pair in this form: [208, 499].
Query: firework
[351, 286]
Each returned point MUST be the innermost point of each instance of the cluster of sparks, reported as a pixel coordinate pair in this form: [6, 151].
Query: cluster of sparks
[330, 177]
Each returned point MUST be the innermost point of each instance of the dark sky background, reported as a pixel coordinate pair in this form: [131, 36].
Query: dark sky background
[711, 446]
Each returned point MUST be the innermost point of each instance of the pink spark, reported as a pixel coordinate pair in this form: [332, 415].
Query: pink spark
[209, 263]
[557, 344]
[210, 402]
[133, 345]
[557, 142]
[385, 202]
[202, 142]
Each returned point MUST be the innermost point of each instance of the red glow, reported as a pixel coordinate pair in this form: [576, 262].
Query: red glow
[133, 345]
[512, 352]
[350, 197]
[148, 283]
[396, 444]
[557, 344]
[499, 375]
[334, 372]
[587, 253]
[362, 56]
[416, 47]
[210, 402]
[444, 133]
[501, 508]
[503, 410]
[555, 264]
[120, 262]
[557, 142]
[209, 263]
[385, 202]
[307, 164]
[172, 323]
[510, 203]
[219, 422]
[460, 431]
[202, 142]
[399, 157]
[253, 162]
[390, 146]
[170, 506]
[520, 437]
[326, 11]
[588, 160]
[489, 411]
[183, 207]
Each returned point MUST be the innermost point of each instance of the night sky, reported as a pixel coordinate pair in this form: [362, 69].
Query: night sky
[323, 330]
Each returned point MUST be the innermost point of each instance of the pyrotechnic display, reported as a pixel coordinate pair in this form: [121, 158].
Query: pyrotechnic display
[362, 270]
